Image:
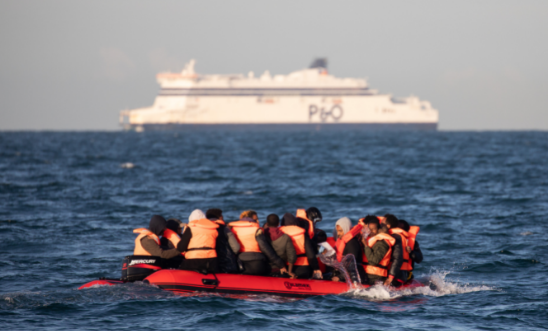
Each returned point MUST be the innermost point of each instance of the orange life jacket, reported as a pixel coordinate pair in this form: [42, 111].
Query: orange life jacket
[173, 237]
[245, 232]
[220, 222]
[202, 243]
[406, 265]
[341, 243]
[380, 269]
[297, 234]
[139, 250]
[331, 241]
[301, 213]
[413, 231]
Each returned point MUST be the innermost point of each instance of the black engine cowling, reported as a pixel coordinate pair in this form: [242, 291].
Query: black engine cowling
[138, 267]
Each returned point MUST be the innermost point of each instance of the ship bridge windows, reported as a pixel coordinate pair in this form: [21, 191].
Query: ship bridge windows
[398, 100]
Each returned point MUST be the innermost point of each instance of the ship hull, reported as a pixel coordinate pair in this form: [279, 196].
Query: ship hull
[287, 127]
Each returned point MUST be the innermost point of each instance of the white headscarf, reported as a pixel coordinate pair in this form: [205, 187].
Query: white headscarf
[196, 214]
[345, 223]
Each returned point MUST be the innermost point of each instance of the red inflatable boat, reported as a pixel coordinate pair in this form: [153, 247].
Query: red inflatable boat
[182, 281]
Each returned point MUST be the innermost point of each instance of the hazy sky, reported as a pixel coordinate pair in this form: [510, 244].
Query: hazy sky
[73, 65]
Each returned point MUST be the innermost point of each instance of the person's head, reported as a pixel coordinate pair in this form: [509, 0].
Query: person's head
[174, 225]
[342, 226]
[321, 236]
[402, 224]
[250, 214]
[314, 214]
[157, 225]
[391, 221]
[289, 219]
[272, 221]
[196, 214]
[214, 214]
[372, 223]
[383, 228]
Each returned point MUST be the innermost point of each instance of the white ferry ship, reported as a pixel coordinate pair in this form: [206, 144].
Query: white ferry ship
[309, 98]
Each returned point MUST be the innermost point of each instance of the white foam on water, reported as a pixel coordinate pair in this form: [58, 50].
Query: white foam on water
[436, 285]
[127, 165]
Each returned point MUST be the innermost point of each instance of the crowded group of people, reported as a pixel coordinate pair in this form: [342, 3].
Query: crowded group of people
[385, 248]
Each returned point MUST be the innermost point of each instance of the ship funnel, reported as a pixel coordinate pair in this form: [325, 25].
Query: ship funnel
[189, 68]
[320, 62]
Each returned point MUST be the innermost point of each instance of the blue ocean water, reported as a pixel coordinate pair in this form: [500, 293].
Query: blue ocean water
[69, 202]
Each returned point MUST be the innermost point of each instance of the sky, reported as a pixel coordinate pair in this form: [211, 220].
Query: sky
[74, 65]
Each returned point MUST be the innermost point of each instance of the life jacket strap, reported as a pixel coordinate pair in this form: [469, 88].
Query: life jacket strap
[200, 249]
[378, 266]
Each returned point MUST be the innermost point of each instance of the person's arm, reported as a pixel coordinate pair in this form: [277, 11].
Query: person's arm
[290, 251]
[267, 250]
[397, 257]
[353, 247]
[310, 255]
[232, 241]
[182, 246]
[376, 253]
[416, 253]
[154, 249]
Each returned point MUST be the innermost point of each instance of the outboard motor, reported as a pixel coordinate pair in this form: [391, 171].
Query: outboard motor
[138, 267]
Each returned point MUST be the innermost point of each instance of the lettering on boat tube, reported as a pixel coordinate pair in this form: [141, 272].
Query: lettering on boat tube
[297, 286]
[335, 113]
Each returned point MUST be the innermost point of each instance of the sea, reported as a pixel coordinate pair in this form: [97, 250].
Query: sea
[69, 202]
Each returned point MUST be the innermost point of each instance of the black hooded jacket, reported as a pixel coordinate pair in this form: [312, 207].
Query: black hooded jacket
[397, 257]
[310, 251]
[157, 226]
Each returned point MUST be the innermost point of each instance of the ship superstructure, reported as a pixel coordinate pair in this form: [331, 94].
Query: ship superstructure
[308, 97]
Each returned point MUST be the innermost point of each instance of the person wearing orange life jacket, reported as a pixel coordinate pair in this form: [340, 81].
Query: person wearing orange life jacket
[397, 274]
[148, 241]
[250, 214]
[282, 245]
[255, 251]
[306, 265]
[348, 243]
[373, 224]
[413, 248]
[227, 245]
[377, 255]
[198, 242]
[171, 238]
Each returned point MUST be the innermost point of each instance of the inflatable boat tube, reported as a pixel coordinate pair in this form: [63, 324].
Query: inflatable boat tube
[183, 281]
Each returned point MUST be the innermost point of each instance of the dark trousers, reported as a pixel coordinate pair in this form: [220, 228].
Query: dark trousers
[204, 266]
[257, 267]
[302, 271]
[373, 279]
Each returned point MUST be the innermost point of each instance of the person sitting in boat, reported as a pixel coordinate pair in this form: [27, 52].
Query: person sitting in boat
[413, 248]
[306, 265]
[167, 241]
[255, 251]
[307, 220]
[378, 253]
[373, 225]
[148, 241]
[348, 243]
[226, 244]
[198, 241]
[250, 214]
[397, 275]
[282, 245]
